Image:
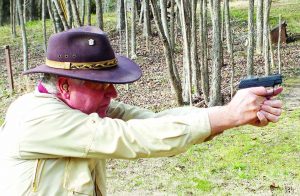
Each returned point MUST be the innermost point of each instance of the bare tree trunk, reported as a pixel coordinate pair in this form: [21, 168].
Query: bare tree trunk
[77, 6]
[121, 23]
[126, 30]
[204, 54]
[61, 15]
[229, 44]
[217, 55]
[136, 2]
[82, 11]
[44, 24]
[88, 6]
[121, 16]
[267, 7]
[178, 22]
[39, 9]
[195, 62]
[57, 20]
[186, 34]
[69, 13]
[126, 36]
[259, 26]
[163, 12]
[99, 14]
[1, 12]
[17, 15]
[142, 12]
[172, 26]
[12, 19]
[279, 45]
[51, 16]
[250, 50]
[176, 84]
[30, 10]
[24, 12]
[177, 28]
[133, 29]
[222, 20]
[24, 37]
[211, 8]
[271, 50]
[147, 25]
[75, 13]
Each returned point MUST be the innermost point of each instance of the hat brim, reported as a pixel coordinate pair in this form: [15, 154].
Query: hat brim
[126, 71]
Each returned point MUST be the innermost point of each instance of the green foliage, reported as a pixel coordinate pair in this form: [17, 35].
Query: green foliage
[203, 185]
[290, 12]
[110, 21]
[111, 6]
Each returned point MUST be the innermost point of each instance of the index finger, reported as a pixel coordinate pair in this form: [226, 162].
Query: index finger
[276, 91]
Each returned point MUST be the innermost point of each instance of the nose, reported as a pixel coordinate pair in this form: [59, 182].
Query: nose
[111, 91]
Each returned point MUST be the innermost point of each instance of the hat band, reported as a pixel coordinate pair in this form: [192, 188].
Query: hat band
[82, 65]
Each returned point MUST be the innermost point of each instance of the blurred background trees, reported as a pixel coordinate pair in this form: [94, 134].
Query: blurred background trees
[198, 28]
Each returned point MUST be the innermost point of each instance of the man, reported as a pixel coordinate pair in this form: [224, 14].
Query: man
[55, 140]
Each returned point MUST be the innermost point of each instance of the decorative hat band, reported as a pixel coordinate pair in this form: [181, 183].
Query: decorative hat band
[82, 65]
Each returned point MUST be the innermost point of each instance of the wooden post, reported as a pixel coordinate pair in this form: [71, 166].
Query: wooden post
[278, 47]
[9, 70]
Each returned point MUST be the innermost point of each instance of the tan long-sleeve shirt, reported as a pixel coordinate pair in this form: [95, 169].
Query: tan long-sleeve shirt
[47, 148]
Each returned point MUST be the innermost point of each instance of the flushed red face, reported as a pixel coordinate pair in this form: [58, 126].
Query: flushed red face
[86, 96]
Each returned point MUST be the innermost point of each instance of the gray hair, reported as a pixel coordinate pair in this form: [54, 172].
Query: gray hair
[49, 81]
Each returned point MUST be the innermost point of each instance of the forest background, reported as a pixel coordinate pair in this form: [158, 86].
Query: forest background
[189, 55]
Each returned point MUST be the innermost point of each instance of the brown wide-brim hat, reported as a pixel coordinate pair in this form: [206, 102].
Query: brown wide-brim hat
[85, 53]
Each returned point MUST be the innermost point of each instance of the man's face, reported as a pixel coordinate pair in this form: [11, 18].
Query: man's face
[86, 96]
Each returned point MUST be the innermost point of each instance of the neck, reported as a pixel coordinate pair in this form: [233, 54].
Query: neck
[41, 88]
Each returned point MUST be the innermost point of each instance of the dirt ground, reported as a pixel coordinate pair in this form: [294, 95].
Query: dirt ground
[292, 97]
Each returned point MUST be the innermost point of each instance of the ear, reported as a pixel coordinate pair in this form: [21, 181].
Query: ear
[63, 87]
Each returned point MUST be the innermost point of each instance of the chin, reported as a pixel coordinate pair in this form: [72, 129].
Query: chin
[102, 114]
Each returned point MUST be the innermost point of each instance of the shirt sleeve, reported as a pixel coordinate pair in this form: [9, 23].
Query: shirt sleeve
[126, 112]
[71, 133]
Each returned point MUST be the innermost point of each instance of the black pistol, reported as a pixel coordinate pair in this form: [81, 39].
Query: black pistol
[267, 81]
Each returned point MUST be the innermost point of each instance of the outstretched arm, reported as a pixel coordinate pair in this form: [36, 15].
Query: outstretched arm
[249, 106]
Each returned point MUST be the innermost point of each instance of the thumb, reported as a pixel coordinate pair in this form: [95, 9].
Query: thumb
[262, 91]
[277, 91]
[259, 91]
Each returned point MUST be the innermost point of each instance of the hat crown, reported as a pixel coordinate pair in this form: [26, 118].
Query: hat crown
[85, 53]
[83, 44]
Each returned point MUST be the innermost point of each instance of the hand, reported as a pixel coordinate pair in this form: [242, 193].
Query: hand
[254, 106]
[270, 110]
